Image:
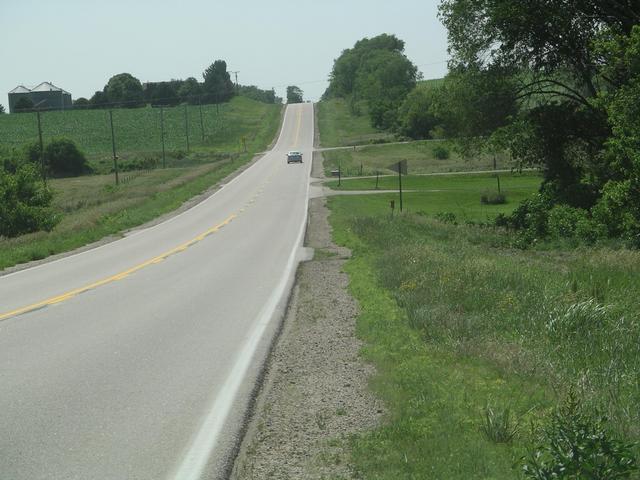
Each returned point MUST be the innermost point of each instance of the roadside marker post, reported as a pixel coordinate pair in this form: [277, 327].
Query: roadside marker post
[339, 175]
[377, 178]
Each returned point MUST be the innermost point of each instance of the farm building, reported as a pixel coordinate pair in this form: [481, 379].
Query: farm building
[45, 96]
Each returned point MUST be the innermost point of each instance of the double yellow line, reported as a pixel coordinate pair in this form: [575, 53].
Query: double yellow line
[118, 276]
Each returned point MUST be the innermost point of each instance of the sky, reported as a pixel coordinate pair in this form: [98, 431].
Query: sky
[79, 44]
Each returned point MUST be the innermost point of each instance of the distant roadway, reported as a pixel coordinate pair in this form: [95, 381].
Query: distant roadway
[136, 359]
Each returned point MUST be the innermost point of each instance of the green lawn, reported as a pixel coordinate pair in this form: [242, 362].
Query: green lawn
[457, 194]
[458, 322]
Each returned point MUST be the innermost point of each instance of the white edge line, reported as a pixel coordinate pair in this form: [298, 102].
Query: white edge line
[168, 220]
[196, 459]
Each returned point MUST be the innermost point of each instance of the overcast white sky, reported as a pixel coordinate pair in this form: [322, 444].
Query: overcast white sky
[79, 44]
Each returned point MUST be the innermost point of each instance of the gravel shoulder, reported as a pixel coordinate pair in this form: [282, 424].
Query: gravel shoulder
[315, 392]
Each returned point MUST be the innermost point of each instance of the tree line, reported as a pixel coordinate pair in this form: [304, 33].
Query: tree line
[126, 91]
[554, 83]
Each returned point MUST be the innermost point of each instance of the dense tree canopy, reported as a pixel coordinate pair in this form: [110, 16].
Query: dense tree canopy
[124, 90]
[375, 71]
[294, 94]
[218, 86]
[556, 83]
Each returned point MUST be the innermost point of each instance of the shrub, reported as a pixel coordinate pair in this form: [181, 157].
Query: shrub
[24, 202]
[493, 198]
[63, 158]
[447, 217]
[575, 446]
[440, 152]
[563, 220]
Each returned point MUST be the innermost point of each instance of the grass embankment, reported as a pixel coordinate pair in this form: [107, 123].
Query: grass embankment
[457, 322]
[339, 127]
[139, 129]
[92, 207]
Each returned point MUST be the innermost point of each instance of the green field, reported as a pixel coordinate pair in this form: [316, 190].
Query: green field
[139, 129]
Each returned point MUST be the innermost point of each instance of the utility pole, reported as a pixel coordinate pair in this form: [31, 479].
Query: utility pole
[164, 160]
[201, 120]
[236, 74]
[186, 126]
[43, 171]
[113, 146]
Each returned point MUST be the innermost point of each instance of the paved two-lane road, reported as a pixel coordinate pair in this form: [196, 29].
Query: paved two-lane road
[135, 360]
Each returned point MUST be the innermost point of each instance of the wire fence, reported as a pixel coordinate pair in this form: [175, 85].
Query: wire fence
[151, 128]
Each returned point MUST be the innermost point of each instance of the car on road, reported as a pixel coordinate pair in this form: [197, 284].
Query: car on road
[294, 156]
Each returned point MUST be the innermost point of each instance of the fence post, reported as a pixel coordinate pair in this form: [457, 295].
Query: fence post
[113, 146]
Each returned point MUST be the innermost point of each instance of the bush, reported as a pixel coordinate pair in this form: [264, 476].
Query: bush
[440, 152]
[24, 202]
[575, 446]
[493, 198]
[63, 158]
[563, 221]
[447, 217]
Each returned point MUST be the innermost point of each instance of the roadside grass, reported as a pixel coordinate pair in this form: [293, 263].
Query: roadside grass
[138, 130]
[461, 327]
[459, 195]
[339, 127]
[420, 157]
[92, 207]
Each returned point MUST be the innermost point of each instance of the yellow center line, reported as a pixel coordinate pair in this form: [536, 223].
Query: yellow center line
[118, 276]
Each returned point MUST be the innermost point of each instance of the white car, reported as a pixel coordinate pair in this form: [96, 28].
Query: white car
[294, 156]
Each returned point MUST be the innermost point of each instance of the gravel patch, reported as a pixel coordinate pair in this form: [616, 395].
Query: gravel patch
[315, 392]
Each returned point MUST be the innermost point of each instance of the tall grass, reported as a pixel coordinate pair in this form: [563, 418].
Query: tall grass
[556, 320]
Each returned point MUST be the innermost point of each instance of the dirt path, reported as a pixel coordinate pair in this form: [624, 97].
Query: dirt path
[315, 391]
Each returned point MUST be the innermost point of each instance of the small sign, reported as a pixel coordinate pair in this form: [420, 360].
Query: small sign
[400, 167]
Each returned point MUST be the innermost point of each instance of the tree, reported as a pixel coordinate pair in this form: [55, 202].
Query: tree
[81, 102]
[24, 104]
[294, 94]
[375, 71]
[61, 157]
[1, 109]
[124, 90]
[218, 86]
[416, 118]
[190, 91]
[99, 100]
[26, 202]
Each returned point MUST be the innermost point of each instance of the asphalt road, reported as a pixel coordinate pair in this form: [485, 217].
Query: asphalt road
[135, 360]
